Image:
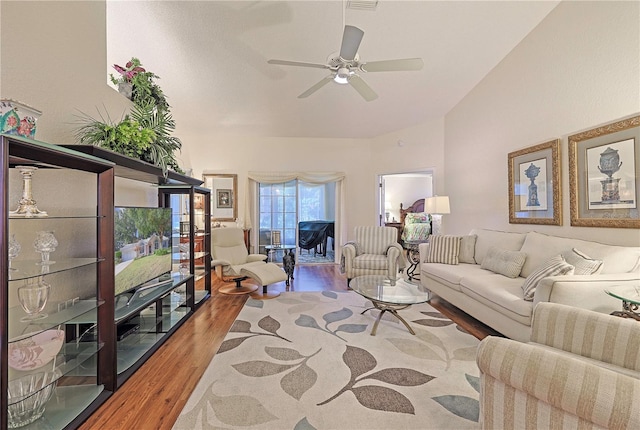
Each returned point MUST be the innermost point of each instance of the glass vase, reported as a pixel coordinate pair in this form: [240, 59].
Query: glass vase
[14, 250]
[33, 296]
[45, 244]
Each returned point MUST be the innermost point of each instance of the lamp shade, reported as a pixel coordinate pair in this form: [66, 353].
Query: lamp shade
[437, 205]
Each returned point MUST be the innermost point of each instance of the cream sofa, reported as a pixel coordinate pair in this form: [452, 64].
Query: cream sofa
[498, 301]
[580, 370]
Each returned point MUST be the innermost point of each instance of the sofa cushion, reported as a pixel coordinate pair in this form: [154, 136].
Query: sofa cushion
[467, 249]
[552, 267]
[584, 265]
[502, 239]
[540, 247]
[507, 263]
[443, 249]
[500, 293]
[452, 274]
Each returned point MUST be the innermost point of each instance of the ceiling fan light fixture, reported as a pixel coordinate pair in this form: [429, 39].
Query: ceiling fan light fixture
[342, 76]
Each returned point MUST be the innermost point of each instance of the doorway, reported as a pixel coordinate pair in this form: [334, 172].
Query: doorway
[402, 188]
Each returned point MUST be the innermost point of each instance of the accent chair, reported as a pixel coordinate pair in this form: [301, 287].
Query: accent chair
[581, 369]
[375, 251]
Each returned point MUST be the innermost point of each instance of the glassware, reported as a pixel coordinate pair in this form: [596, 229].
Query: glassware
[33, 298]
[28, 397]
[27, 207]
[45, 244]
[14, 250]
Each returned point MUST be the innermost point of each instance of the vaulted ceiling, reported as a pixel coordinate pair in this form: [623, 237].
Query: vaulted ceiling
[212, 57]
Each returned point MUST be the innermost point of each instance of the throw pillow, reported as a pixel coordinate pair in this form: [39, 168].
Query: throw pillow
[416, 218]
[553, 267]
[507, 263]
[583, 264]
[443, 249]
[468, 249]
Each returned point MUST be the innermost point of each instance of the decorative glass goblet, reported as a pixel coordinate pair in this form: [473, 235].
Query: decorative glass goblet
[33, 298]
[45, 244]
[14, 250]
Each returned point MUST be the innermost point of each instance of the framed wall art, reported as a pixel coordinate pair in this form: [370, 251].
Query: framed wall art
[534, 185]
[224, 191]
[604, 175]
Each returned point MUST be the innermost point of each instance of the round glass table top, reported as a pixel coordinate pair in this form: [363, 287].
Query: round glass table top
[627, 293]
[380, 289]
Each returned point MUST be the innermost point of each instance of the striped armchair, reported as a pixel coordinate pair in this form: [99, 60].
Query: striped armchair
[375, 251]
[580, 370]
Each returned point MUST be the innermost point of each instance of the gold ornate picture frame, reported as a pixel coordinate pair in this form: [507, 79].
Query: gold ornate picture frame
[604, 175]
[534, 185]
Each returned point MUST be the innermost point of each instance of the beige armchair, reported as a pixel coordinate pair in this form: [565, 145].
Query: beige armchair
[229, 254]
[375, 251]
[580, 370]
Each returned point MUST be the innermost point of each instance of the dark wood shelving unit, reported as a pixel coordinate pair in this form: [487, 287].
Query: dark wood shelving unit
[93, 355]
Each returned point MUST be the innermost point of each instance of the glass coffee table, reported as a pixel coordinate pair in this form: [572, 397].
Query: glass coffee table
[387, 297]
[630, 296]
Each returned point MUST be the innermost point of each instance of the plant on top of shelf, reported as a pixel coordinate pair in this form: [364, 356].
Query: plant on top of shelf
[143, 85]
[145, 133]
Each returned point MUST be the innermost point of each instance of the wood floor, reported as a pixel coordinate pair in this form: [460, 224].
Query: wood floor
[154, 396]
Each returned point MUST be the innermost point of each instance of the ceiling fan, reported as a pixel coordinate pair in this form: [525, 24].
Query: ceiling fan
[346, 66]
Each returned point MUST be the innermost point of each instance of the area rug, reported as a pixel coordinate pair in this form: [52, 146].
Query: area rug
[307, 361]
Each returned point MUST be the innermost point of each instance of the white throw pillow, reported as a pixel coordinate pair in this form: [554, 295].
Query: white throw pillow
[443, 249]
[552, 267]
[468, 249]
[583, 264]
[507, 263]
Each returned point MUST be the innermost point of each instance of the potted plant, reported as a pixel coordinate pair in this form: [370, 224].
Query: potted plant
[145, 133]
[138, 84]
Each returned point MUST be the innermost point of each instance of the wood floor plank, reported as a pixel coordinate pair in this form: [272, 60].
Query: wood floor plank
[155, 395]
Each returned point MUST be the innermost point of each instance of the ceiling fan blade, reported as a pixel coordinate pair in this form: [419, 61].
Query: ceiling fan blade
[403, 65]
[351, 39]
[363, 88]
[298, 63]
[316, 87]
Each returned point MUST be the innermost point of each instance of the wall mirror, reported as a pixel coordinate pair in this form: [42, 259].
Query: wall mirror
[224, 192]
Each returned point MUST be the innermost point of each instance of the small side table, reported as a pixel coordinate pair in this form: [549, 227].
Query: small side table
[272, 250]
[413, 255]
[630, 296]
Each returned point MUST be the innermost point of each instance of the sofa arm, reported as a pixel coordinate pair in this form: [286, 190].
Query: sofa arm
[583, 291]
[553, 388]
[423, 249]
[590, 334]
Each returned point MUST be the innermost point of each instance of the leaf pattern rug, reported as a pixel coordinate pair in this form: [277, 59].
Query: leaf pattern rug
[307, 361]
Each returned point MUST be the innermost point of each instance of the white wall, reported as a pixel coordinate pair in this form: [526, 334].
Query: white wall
[53, 58]
[240, 155]
[579, 68]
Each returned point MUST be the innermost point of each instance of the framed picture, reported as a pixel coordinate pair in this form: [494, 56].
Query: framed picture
[223, 199]
[198, 201]
[604, 175]
[534, 185]
[224, 189]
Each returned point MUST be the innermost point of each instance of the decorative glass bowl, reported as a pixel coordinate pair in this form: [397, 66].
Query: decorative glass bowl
[28, 397]
[45, 244]
[36, 351]
[33, 298]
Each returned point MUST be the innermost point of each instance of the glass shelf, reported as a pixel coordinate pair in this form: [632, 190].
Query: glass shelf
[19, 330]
[25, 269]
[49, 217]
[148, 297]
[66, 404]
[71, 356]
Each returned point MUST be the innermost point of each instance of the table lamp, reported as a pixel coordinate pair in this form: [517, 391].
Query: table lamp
[437, 206]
